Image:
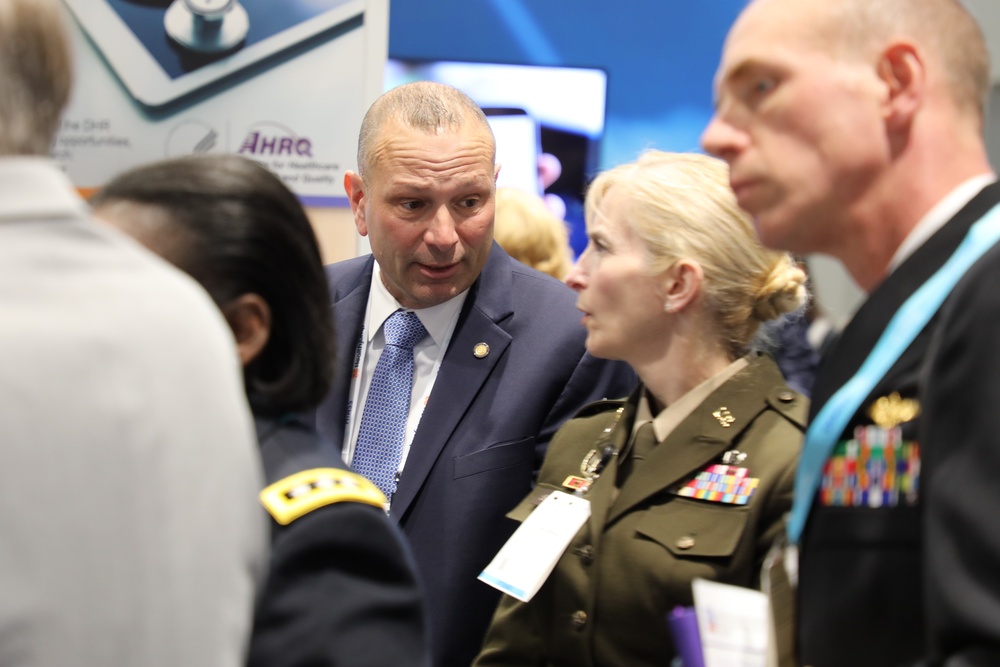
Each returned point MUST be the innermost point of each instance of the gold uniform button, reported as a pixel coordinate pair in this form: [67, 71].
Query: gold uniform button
[579, 618]
[786, 397]
[685, 542]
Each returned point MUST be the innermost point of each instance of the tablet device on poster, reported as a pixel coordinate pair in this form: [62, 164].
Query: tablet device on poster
[163, 50]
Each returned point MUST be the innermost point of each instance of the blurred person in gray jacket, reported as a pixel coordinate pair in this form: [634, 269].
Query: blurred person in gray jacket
[128, 465]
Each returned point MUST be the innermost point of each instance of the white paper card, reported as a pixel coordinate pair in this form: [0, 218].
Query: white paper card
[527, 559]
[733, 624]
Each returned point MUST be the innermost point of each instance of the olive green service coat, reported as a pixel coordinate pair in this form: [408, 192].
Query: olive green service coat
[607, 600]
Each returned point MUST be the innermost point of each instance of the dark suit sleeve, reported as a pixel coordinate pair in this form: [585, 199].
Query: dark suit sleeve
[960, 489]
[341, 591]
[593, 379]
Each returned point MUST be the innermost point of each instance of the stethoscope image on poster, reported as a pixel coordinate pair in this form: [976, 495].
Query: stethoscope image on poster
[165, 50]
[207, 26]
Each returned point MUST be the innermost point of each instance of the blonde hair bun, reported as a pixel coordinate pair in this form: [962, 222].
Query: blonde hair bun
[783, 290]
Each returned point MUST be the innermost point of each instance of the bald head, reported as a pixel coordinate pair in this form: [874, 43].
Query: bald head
[425, 106]
[844, 122]
[943, 31]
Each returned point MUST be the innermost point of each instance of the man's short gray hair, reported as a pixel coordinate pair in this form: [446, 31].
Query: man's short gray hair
[35, 75]
[422, 105]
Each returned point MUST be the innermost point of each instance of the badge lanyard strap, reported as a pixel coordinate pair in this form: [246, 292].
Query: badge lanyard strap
[904, 326]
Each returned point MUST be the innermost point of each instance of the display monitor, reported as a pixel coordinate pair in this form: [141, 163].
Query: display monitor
[548, 122]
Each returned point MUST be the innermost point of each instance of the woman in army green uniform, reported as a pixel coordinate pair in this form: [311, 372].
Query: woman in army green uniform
[691, 475]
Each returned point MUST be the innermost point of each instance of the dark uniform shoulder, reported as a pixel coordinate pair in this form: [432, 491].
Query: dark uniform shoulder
[305, 471]
[600, 407]
[298, 494]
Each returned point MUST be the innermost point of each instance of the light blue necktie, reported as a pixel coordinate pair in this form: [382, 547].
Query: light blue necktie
[909, 320]
[383, 422]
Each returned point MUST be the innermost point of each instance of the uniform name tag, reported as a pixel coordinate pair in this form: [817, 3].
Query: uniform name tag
[524, 563]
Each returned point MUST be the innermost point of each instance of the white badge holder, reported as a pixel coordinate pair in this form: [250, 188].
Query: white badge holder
[524, 563]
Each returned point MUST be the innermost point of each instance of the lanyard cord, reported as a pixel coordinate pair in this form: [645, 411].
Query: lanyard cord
[909, 320]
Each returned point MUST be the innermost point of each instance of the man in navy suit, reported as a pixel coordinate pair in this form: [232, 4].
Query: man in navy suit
[502, 363]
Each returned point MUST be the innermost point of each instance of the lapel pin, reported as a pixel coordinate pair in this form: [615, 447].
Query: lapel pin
[724, 417]
[480, 350]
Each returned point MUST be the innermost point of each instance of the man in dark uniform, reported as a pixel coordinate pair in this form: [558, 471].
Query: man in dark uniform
[342, 588]
[855, 129]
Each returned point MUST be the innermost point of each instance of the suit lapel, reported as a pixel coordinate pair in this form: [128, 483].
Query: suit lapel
[701, 438]
[351, 312]
[461, 376]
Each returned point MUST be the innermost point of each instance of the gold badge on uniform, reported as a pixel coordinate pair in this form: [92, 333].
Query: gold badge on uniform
[892, 410]
[724, 417]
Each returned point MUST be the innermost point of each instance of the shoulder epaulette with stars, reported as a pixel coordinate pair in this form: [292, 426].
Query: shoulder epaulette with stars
[301, 493]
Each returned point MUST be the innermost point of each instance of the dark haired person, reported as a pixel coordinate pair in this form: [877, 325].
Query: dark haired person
[341, 588]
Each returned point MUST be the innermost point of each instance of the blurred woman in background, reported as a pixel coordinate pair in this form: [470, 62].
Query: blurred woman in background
[530, 233]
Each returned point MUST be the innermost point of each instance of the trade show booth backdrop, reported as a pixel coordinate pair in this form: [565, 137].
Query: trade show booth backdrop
[593, 84]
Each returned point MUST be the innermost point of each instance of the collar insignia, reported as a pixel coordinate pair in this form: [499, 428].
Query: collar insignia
[724, 417]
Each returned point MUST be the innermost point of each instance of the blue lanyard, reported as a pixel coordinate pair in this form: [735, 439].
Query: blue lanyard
[909, 320]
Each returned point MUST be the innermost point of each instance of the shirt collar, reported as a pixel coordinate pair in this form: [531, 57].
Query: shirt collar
[437, 319]
[33, 187]
[672, 415]
[936, 218]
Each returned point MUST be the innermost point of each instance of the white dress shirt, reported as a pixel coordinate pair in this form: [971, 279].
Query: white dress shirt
[440, 323]
[936, 218]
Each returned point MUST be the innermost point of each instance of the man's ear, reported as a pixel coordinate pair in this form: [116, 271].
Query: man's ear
[249, 317]
[682, 285]
[354, 185]
[901, 70]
